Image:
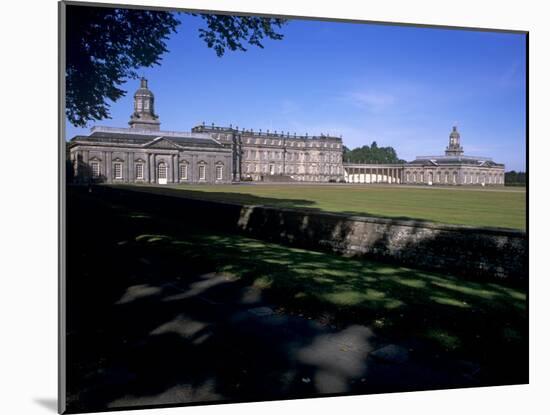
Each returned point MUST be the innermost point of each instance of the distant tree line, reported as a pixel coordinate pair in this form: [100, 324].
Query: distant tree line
[372, 154]
[513, 178]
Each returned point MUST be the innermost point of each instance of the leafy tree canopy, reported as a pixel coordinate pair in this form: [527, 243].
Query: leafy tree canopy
[372, 154]
[106, 46]
[514, 178]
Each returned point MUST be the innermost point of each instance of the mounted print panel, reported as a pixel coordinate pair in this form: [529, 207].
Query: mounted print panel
[277, 207]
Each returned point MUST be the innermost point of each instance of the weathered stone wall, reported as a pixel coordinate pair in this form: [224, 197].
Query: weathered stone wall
[460, 250]
[473, 252]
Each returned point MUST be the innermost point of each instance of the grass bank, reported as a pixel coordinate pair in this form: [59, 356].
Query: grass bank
[504, 208]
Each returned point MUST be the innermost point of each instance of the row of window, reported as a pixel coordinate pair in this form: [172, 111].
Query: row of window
[468, 178]
[265, 141]
[272, 169]
[162, 171]
[277, 155]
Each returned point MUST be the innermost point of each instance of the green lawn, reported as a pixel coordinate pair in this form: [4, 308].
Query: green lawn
[477, 320]
[476, 207]
[123, 244]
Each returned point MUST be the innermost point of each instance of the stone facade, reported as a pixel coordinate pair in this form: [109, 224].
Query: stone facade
[143, 153]
[113, 155]
[266, 155]
[453, 169]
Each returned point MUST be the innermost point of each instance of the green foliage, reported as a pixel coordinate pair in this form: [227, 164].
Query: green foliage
[106, 46]
[229, 32]
[372, 154]
[513, 178]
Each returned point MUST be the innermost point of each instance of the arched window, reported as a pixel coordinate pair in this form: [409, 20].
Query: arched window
[95, 169]
[219, 171]
[117, 168]
[139, 171]
[202, 171]
[162, 171]
[183, 170]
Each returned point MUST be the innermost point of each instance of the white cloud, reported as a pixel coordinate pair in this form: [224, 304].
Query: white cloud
[373, 101]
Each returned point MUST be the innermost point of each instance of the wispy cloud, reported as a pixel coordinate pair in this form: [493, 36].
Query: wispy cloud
[512, 76]
[372, 101]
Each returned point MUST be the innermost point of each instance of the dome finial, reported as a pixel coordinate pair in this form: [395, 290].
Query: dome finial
[143, 82]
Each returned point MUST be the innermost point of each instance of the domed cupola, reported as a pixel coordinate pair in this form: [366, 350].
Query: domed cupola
[144, 116]
[454, 148]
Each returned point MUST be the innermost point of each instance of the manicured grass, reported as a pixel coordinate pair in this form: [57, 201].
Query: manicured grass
[456, 315]
[481, 321]
[504, 208]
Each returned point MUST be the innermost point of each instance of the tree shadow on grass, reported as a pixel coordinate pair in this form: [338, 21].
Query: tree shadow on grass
[156, 315]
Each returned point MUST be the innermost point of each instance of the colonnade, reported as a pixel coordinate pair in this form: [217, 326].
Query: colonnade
[373, 174]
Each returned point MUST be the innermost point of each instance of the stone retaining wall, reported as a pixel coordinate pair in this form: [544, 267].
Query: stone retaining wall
[460, 250]
[473, 252]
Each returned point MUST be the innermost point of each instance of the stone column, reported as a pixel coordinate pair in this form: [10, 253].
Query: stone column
[108, 162]
[128, 168]
[170, 168]
[103, 164]
[176, 164]
[153, 168]
[149, 168]
[194, 169]
[146, 173]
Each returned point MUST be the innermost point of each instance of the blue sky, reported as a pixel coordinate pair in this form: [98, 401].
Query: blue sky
[403, 87]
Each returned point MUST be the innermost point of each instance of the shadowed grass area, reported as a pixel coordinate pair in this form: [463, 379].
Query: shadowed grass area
[477, 320]
[462, 206]
[464, 317]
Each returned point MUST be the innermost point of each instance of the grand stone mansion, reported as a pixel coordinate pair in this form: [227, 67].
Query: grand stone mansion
[143, 153]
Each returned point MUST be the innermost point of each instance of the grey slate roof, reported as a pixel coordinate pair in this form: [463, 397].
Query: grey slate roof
[142, 139]
[445, 160]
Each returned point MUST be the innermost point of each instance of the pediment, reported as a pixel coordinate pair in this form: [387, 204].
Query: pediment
[162, 143]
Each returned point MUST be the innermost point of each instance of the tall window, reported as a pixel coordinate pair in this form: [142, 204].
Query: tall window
[146, 104]
[139, 171]
[183, 171]
[202, 172]
[446, 177]
[95, 169]
[162, 171]
[118, 170]
[219, 172]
